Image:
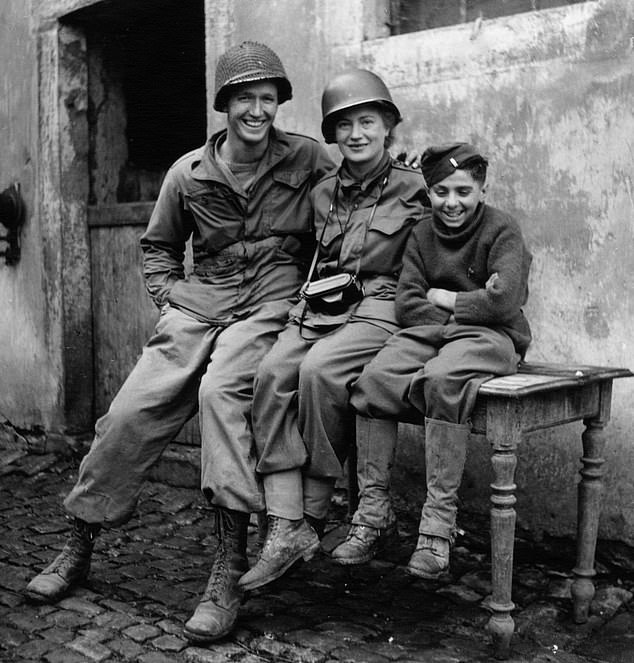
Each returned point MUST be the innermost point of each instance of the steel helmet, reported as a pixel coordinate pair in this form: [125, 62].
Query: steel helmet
[247, 62]
[353, 88]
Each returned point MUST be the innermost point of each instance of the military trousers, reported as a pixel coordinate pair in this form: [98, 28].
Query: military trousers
[187, 365]
[433, 371]
[301, 414]
[431, 374]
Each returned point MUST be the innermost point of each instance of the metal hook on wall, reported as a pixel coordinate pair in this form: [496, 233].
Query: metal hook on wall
[12, 213]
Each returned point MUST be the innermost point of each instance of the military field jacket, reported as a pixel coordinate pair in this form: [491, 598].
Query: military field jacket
[247, 247]
[363, 228]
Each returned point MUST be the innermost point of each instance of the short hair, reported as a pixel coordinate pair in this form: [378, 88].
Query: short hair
[389, 117]
[476, 166]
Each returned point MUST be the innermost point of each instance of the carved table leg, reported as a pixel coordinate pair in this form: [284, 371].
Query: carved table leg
[588, 507]
[501, 624]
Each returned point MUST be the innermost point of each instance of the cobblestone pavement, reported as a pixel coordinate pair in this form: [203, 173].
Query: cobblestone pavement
[146, 579]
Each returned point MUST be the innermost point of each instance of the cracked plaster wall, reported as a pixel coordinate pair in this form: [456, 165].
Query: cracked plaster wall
[549, 97]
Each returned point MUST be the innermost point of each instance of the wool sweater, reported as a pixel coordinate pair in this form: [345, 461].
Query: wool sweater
[485, 262]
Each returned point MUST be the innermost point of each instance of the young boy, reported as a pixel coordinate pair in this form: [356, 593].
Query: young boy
[459, 299]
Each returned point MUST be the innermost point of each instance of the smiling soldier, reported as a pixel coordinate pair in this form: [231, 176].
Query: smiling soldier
[243, 200]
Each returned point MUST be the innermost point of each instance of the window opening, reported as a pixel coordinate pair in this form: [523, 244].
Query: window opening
[413, 15]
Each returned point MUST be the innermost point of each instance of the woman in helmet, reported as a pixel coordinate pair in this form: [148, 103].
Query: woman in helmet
[363, 213]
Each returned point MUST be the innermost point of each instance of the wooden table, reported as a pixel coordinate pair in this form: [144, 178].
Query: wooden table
[542, 396]
[538, 397]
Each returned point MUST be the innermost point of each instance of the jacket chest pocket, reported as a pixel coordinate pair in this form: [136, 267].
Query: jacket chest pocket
[385, 243]
[219, 216]
[331, 233]
[390, 225]
[288, 207]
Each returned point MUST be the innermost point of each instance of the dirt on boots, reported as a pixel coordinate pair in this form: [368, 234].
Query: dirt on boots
[287, 541]
[68, 569]
[362, 544]
[217, 611]
[431, 558]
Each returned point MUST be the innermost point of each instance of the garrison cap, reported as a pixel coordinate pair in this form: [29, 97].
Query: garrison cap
[441, 161]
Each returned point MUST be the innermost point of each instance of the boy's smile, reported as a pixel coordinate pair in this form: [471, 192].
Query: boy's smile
[454, 200]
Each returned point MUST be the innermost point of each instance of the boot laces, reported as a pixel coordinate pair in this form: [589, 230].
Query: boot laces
[77, 550]
[219, 577]
[222, 524]
[275, 525]
[66, 561]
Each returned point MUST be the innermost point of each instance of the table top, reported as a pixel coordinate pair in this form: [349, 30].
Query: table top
[539, 377]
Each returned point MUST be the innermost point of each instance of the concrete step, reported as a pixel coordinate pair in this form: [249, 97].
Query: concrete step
[179, 466]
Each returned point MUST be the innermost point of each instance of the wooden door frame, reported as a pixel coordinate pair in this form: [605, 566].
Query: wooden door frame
[63, 187]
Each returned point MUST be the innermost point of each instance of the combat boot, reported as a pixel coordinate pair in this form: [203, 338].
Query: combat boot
[445, 453]
[374, 521]
[431, 557]
[263, 528]
[362, 544]
[217, 611]
[286, 542]
[69, 568]
[318, 524]
[316, 496]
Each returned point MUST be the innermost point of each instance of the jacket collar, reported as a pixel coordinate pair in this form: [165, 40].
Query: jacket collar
[349, 182]
[206, 168]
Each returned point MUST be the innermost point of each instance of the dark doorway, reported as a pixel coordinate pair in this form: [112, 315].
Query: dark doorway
[147, 98]
[143, 67]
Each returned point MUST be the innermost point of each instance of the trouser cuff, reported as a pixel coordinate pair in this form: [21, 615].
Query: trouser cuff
[283, 494]
[431, 527]
[375, 510]
[317, 496]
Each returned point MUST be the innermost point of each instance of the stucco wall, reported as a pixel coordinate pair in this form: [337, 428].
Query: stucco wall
[549, 97]
[30, 347]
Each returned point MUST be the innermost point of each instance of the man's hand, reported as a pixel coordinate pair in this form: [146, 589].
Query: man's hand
[410, 159]
[443, 298]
